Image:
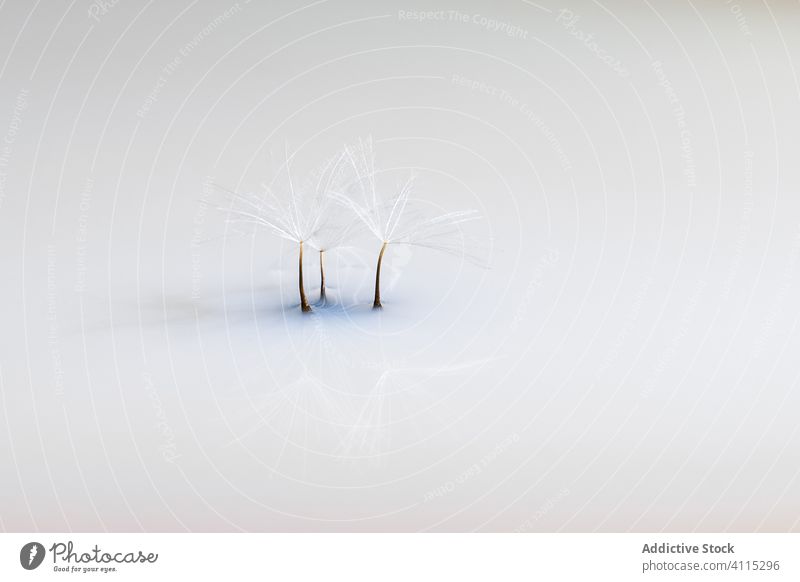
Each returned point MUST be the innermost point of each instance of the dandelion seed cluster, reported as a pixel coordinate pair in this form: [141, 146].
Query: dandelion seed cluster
[338, 202]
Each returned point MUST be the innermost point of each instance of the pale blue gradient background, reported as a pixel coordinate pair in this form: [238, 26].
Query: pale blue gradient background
[627, 362]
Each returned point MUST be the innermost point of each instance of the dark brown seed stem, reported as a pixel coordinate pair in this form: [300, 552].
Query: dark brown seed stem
[376, 304]
[303, 300]
[322, 296]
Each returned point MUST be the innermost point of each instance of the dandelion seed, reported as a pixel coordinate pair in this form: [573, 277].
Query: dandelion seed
[294, 214]
[337, 230]
[391, 220]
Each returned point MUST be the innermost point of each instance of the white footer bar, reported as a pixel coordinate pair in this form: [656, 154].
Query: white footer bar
[406, 557]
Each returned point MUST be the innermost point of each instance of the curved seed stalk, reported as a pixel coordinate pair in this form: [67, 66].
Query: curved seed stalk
[303, 300]
[322, 297]
[376, 304]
